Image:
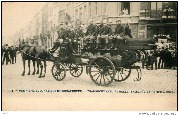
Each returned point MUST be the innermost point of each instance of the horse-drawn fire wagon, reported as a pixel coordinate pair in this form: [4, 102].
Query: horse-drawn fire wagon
[102, 65]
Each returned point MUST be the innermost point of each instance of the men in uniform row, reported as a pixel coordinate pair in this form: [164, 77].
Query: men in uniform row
[104, 32]
[9, 54]
[95, 34]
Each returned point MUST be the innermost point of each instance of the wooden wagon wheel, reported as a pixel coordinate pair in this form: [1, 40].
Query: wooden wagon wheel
[122, 74]
[58, 71]
[101, 71]
[76, 70]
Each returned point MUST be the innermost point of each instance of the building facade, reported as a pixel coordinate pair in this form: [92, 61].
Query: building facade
[158, 18]
[146, 18]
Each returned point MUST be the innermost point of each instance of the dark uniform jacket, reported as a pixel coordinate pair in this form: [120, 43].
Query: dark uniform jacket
[71, 34]
[91, 30]
[98, 29]
[3, 50]
[6, 53]
[128, 31]
[64, 34]
[106, 30]
[119, 30]
[79, 33]
[11, 52]
[60, 33]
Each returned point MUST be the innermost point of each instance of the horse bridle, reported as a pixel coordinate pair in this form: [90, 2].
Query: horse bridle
[23, 47]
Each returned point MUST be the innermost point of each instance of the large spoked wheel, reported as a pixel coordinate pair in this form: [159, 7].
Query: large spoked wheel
[76, 70]
[58, 72]
[122, 74]
[101, 71]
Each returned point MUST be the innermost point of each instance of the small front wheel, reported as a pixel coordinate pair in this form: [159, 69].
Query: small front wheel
[58, 72]
[76, 70]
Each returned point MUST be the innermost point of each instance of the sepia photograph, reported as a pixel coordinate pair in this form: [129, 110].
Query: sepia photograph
[89, 56]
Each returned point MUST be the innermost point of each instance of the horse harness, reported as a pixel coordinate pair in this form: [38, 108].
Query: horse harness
[30, 54]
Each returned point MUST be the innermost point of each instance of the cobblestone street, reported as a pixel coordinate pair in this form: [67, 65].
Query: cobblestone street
[97, 52]
[157, 90]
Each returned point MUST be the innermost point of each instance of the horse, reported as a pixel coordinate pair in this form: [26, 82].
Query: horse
[27, 54]
[41, 54]
[34, 53]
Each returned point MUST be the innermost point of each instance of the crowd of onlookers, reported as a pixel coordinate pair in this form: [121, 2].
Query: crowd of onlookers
[167, 58]
[9, 54]
[163, 58]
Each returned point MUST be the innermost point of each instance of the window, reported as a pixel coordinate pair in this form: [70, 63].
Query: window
[85, 13]
[80, 14]
[156, 8]
[145, 5]
[151, 10]
[104, 4]
[96, 8]
[76, 14]
[153, 5]
[142, 32]
[169, 9]
[159, 5]
[145, 9]
[125, 8]
[99, 8]
[90, 9]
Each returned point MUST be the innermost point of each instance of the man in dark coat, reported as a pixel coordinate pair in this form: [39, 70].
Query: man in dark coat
[11, 52]
[128, 30]
[98, 32]
[90, 34]
[105, 32]
[162, 58]
[168, 59]
[2, 54]
[62, 35]
[6, 55]
[119, 33]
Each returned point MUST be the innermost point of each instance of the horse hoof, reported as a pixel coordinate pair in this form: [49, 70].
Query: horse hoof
[22, 74]
[37, 72]
[28, 74]
[39, 77]
[33, 73]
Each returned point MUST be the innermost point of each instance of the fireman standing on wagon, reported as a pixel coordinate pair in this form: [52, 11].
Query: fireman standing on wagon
[90, 34]
[62, 35]
[119, 33]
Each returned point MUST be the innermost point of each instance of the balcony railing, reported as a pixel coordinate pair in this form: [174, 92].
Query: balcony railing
[158, 14]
